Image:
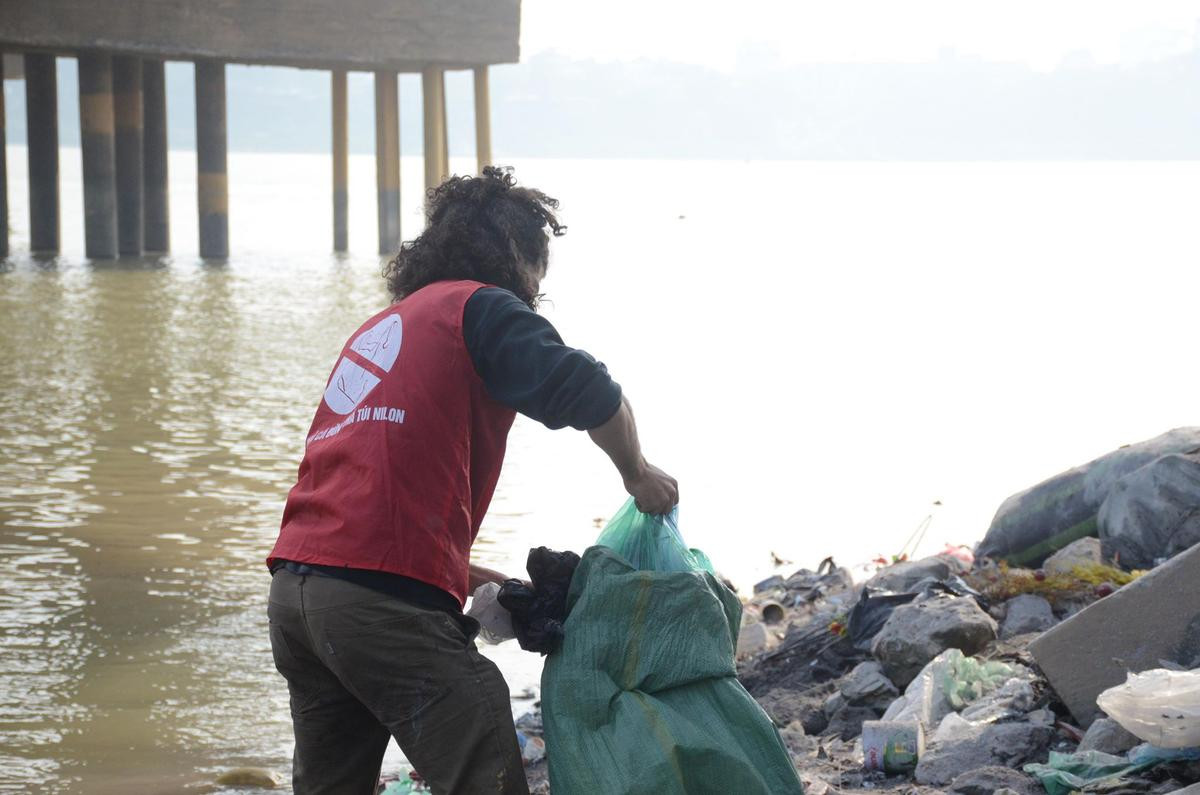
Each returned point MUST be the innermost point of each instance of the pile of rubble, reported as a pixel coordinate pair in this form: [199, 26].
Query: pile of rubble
[917, 682]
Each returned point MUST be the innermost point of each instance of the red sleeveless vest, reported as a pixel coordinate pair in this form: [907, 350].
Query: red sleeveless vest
[404, 452]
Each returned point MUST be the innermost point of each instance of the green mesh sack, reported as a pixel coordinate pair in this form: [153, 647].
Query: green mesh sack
[642, 696]
[651, 542]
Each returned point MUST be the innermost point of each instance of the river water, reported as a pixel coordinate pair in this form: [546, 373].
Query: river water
[824, 354]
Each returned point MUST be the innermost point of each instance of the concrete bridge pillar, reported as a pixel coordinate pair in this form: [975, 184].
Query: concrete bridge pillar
[387, 159]
[483, 119]
[3, 170]
[211, 158]
[341, 163]
[157, 229]
[127, 107]
[98, 150]
[433, 109]
[41, 107]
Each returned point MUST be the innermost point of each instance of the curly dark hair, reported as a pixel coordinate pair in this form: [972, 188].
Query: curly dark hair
[484, 228]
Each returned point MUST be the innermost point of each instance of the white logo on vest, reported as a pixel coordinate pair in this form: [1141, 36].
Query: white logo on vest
[351, 382]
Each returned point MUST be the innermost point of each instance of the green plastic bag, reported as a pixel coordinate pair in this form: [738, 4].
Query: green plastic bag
[642, 697]
[651, 542]
[1087, 771]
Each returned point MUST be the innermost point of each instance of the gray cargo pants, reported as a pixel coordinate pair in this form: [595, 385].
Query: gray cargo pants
[362, 665]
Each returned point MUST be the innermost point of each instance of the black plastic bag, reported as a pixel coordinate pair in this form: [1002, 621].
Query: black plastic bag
[870, 613]
[539, 607]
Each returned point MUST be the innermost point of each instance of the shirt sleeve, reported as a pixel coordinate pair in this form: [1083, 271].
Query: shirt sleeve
[525, 365]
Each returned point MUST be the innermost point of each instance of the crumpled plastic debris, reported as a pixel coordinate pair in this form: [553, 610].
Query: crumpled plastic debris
[1159, 706]
[539, 607]
[1089, 771]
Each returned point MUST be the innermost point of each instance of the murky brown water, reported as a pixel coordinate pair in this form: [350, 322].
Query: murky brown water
[151, 426]
[818, 352]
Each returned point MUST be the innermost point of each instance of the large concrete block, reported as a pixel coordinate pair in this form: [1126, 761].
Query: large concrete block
[1131, 630]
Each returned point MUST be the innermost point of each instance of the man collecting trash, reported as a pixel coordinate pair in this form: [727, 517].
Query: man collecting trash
[372, 565]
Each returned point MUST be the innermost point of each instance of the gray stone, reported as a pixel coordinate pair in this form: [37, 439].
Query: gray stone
[959, 747]
[916, 633]
[1027, 613]
[833, 704]
[868, 685]
[993, 779]
[1084, 552]
[259, 777]
[1127, 631]
[847, 722]
[1108, 736]
[1150, 514]
[901, 577]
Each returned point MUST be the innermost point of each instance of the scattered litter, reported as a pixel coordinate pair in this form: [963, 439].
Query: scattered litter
[1092, 771]
[495, 622]
[1160, 706]
[892, 746]
[532, 748]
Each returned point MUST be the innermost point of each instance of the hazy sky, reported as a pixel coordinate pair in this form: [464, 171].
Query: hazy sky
[1041, 33]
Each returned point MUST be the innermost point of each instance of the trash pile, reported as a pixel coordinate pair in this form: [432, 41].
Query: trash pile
[1062, 655]
[1068, 660]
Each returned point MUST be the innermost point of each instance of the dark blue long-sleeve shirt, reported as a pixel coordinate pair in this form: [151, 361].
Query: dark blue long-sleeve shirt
[525, 365]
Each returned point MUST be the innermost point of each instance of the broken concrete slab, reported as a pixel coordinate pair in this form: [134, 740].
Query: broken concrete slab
[1128, 631]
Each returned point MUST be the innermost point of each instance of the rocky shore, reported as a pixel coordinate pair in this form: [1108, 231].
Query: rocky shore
[941, 643]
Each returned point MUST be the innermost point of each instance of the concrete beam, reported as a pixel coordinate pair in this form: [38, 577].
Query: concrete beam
[41, 108]
[127, 106]
[341, 162]
[212, 180]
[1130, 630]
[96, 128]
[387, 159]
[13, 67]
[157, 230]
[350, 34]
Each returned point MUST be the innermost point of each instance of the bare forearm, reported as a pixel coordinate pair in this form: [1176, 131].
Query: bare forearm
[478, 575]
[619, 440]
[653, 490]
